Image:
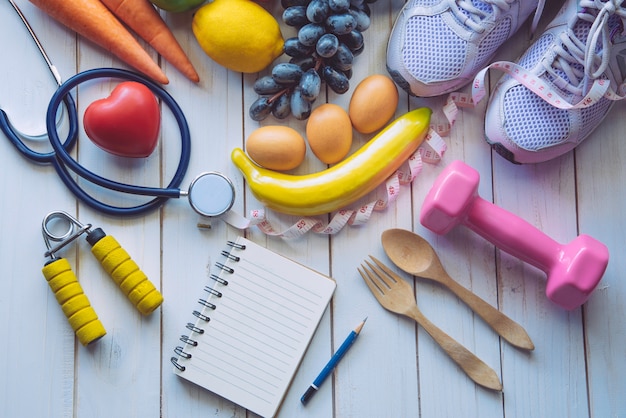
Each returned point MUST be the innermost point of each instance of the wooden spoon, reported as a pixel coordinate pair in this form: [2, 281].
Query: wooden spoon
[413, 254]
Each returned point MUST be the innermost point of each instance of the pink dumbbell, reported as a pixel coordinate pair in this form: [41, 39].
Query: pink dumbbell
[573, 270]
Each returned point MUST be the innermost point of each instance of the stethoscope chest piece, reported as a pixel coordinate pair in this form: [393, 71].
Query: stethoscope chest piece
[211, 194]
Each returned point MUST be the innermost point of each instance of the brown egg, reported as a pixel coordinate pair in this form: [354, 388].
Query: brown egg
[329, 132]
[373, 103]
[278, 148]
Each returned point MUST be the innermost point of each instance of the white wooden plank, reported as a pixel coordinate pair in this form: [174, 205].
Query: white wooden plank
[312, 251]
[124, 364]
[37, 348]
[599, 175]
[385, 355]
[213, 111]
[544, 196]
[468, 259]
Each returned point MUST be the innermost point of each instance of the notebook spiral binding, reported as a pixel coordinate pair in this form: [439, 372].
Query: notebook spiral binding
[179, 350]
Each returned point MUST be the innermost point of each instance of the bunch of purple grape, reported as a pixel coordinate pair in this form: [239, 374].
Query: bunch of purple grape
[330, 35]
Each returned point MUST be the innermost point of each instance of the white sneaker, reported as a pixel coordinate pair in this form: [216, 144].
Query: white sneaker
[580, 64]
[438, 46]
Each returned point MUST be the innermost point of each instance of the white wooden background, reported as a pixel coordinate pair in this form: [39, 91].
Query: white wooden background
[395, 369]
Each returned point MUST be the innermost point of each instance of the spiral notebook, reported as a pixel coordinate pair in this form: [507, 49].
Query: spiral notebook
[252, 326]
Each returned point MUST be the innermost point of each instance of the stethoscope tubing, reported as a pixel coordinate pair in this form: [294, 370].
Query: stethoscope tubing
[172, 190]
[65, 165]
[49, 157]
[63, 173]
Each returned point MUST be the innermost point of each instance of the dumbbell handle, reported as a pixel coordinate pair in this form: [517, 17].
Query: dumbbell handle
[512, 234]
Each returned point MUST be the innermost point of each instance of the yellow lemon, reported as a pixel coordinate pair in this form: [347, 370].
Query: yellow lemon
[238, 34]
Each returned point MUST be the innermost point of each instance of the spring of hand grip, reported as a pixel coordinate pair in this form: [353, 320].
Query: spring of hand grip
[75, 304]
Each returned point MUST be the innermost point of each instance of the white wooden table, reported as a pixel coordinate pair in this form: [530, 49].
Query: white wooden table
[395, 369]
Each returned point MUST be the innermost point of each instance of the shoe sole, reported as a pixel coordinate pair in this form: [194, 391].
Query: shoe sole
[406, 86]
[510, 155]
[503, 151]
[400, 81]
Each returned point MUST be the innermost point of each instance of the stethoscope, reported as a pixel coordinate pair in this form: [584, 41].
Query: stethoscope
[210, 194]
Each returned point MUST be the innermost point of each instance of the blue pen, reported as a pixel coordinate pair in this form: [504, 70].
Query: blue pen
[330, 366]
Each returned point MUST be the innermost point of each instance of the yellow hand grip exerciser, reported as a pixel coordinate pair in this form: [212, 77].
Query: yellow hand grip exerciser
[113, 258]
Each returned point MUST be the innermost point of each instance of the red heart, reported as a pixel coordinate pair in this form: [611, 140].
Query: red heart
[126, 123]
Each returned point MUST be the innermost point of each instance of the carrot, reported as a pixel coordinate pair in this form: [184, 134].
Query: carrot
[143, 18]
[94, 21]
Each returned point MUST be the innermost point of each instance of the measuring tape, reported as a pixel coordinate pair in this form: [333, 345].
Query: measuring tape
[599, 89]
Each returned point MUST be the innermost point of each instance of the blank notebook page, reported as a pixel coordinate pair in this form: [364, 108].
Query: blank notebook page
[251, 333]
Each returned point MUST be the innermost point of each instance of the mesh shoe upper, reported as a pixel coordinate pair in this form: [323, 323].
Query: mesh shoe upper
[438, 46]
[568, 57]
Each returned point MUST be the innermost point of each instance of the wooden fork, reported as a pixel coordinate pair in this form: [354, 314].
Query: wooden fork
[396, 295]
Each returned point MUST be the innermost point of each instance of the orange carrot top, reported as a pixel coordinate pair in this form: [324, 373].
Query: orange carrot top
[91, 19]
[143, 18]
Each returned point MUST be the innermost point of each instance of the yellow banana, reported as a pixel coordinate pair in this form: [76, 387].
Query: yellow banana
[343, 183]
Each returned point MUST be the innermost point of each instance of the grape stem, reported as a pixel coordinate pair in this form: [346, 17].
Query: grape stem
[280, 93]
[272, 99]
[318, 63]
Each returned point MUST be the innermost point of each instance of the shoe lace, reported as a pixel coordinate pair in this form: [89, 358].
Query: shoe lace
[582, 62]
[600, 29]
[467, 12]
